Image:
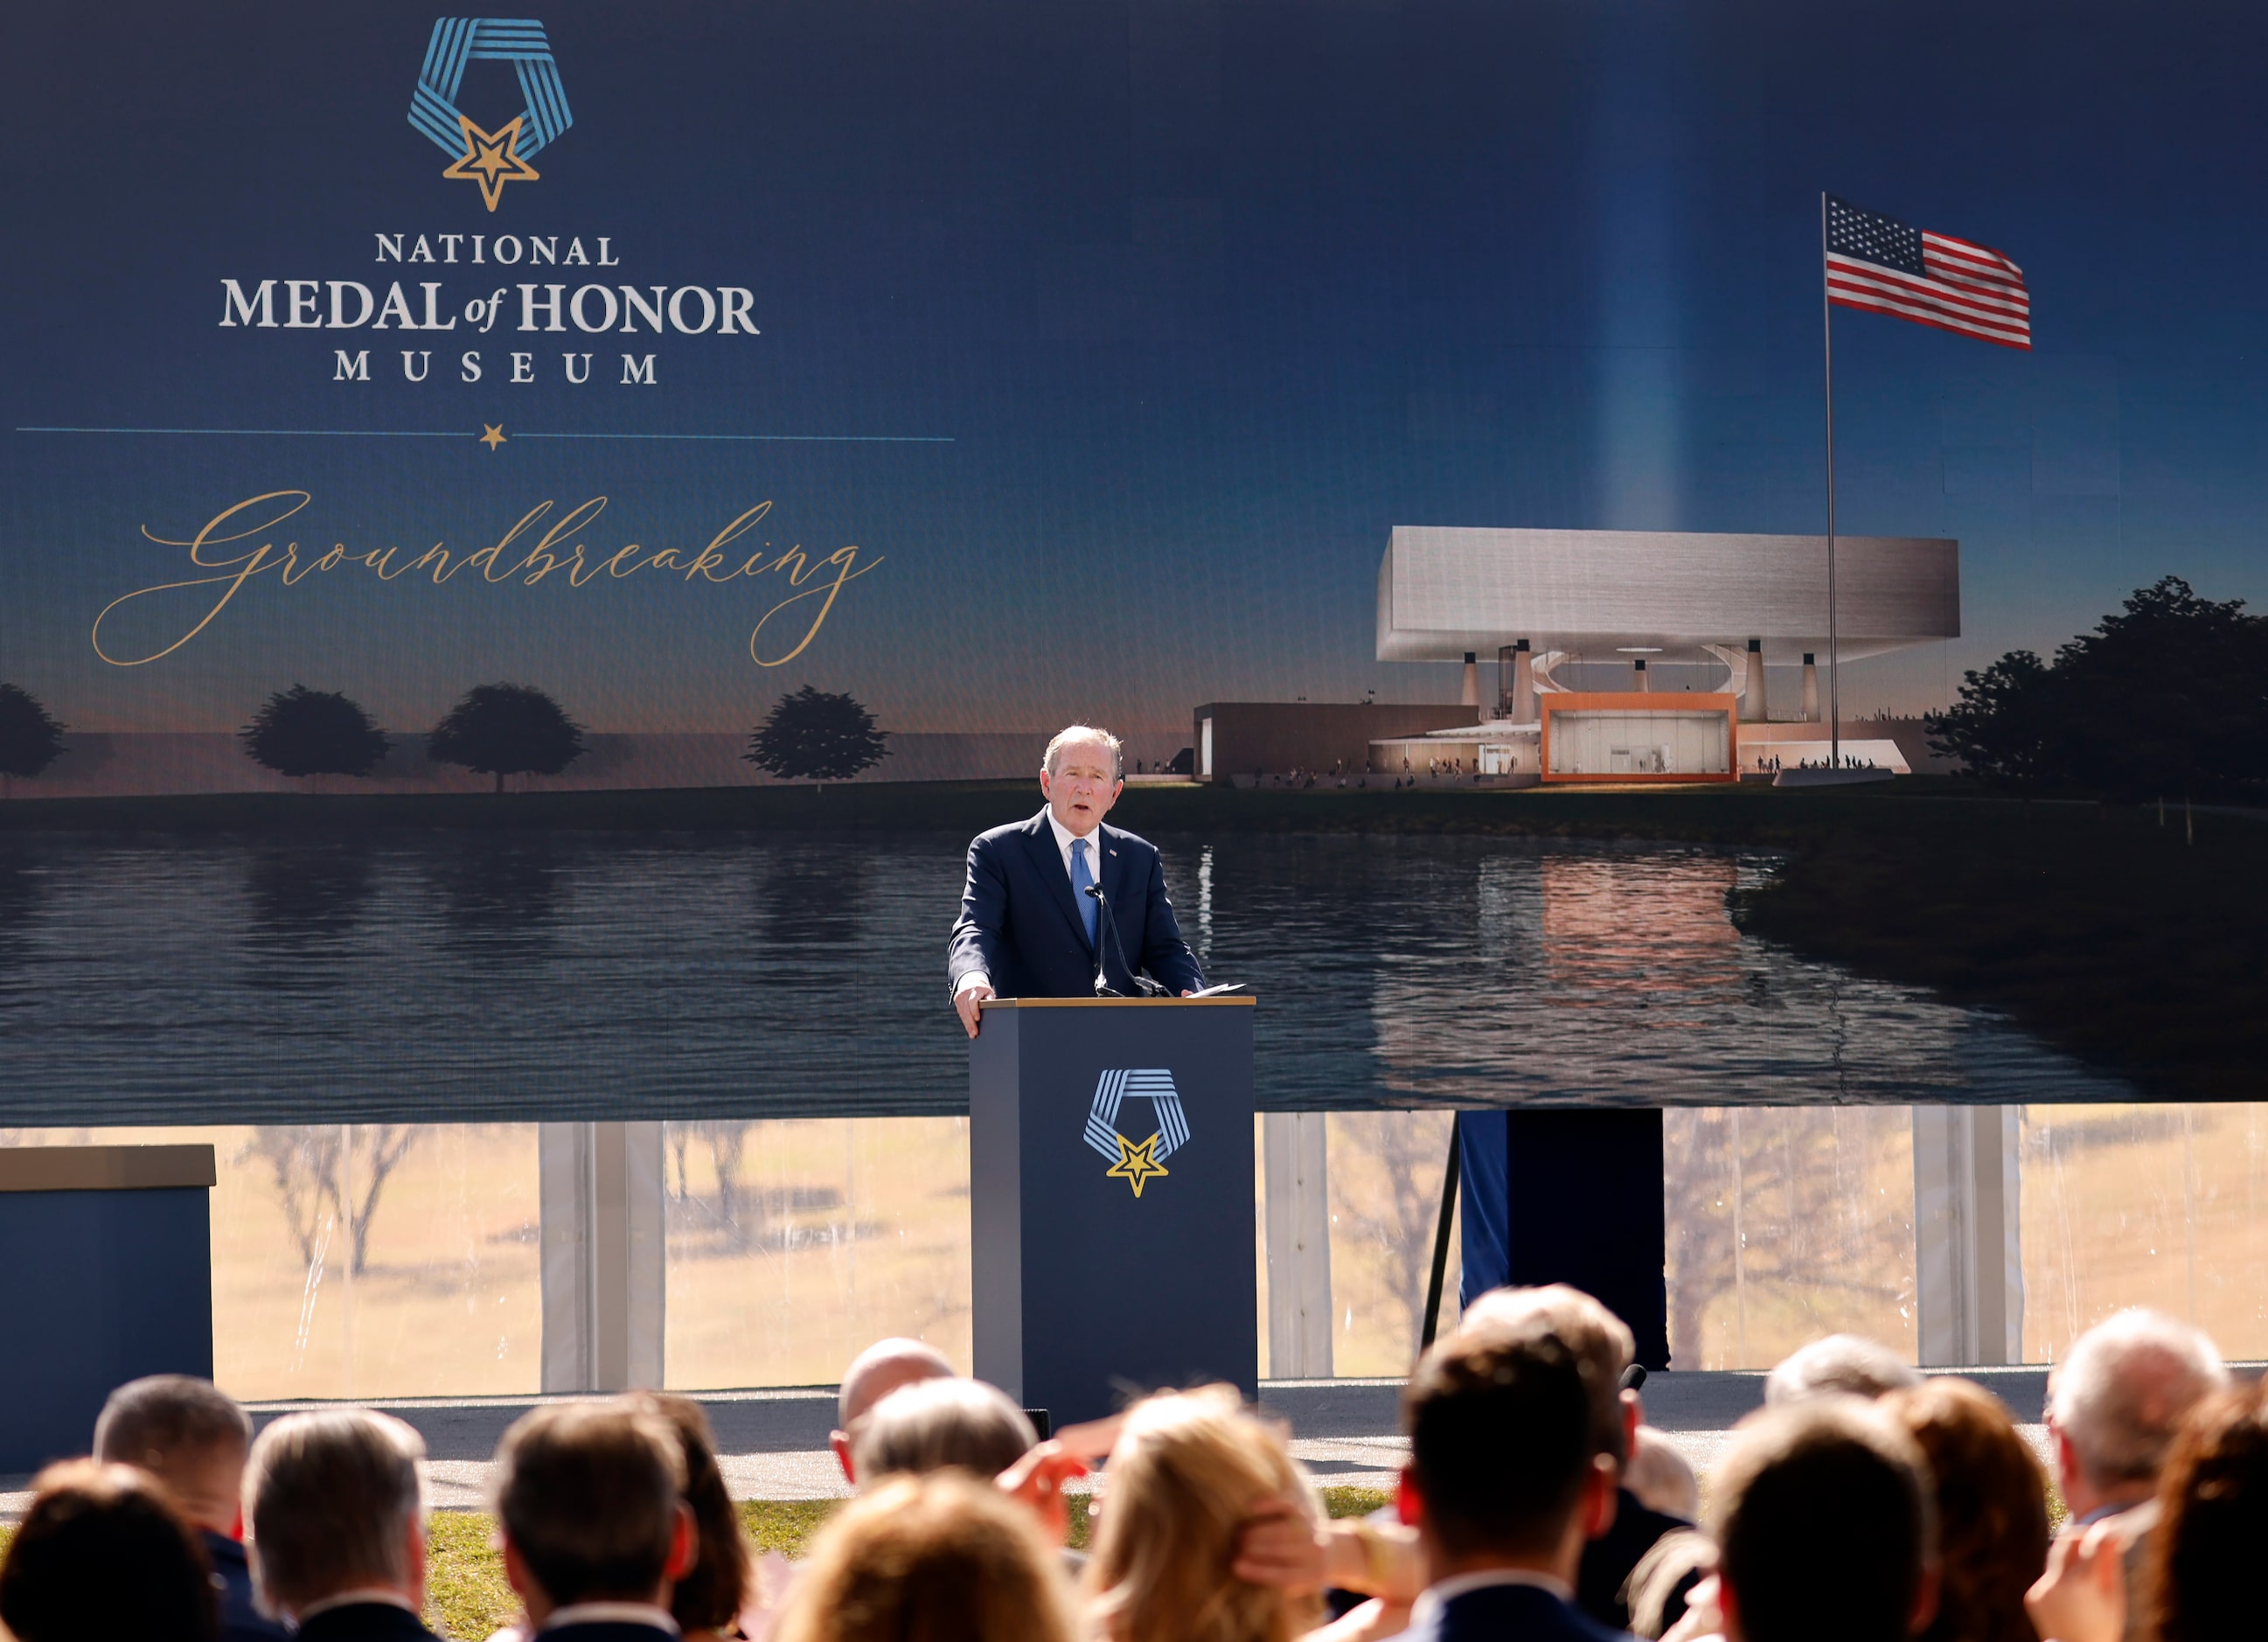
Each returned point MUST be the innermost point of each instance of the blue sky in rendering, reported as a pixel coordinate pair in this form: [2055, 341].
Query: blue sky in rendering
[1150, 322]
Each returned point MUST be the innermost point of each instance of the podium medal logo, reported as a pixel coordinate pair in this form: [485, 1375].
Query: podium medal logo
[1137, 1162]
[491, 158]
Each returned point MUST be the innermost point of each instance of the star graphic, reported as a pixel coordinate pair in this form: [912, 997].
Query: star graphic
[494, 437]
[1136, 1166]
[491, 158]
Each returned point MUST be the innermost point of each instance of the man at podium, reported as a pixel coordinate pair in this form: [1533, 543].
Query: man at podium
[1029, 928]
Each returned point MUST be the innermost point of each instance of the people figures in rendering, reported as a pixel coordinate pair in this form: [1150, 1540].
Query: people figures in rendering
[1027, 927]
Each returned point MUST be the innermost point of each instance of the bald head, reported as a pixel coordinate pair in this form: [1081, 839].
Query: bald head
[880, 1369]
[2120, 1392]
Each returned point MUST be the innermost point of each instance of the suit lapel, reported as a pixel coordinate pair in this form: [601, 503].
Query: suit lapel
[1048, 861]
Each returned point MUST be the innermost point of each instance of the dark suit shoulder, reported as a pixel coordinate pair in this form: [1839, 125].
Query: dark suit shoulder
[1120, 838]
[365, 1622]
[1012, 830]
[1524, 1612]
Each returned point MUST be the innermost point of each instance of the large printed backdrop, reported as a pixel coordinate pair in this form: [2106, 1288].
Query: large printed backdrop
[997, 362]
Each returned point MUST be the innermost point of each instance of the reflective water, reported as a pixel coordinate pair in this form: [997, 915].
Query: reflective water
[456, 977]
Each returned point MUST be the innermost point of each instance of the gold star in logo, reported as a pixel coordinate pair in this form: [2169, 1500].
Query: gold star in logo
[491, 158]
[493, 438]
[1136, 1166]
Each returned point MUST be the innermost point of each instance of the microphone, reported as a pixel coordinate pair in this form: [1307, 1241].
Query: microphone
[1102, 987]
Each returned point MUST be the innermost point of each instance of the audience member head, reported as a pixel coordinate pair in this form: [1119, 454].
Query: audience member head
[1601, 1340]
[2115, 1400]
[1847, 1365]
[708, 1596]
[1825, 1525]
[1991, 1498]
[1505, 1467]
[945, 1557]
[590, 1499]
[934, 1424]
[876, 1372]
[1662, 1477]
[187, 1433]
[1185, 1477]
[103, 1554]
[1665, 1577]
[335, 1504]
[2199, 1583]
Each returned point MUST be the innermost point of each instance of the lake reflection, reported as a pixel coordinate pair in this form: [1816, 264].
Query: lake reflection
[458, 978]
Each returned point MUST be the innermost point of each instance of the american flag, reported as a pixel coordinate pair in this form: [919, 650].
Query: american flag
[1878, 263]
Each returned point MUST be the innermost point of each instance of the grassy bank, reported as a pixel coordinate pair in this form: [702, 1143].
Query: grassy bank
[466, 1596]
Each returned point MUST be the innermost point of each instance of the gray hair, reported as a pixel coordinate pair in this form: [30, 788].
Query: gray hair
[936, 1423]
[2122, 1391]
[330, 1499]
[1849, 1363]
[1081, 735]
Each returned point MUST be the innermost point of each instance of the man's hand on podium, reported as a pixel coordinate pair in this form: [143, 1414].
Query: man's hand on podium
[966, 1001]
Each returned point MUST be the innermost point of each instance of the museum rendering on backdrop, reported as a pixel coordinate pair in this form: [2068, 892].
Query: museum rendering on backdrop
[1582, 625]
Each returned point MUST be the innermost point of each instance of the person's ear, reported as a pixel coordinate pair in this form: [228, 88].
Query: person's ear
[412, 1558]
[840, 1441]
[1926, 1591]
[516, 1572]
[684, 1544]
[1601, 1496]
[1409, 1503]
[1729, 1606]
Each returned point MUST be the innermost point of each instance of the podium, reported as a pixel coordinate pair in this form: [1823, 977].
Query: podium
[1110, 1174]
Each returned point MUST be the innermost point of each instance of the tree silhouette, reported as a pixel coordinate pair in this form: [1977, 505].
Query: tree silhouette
[2168, 693]
[506, 730]
[301, 732]
[814, 736]
[311, 1165]
[30, 737]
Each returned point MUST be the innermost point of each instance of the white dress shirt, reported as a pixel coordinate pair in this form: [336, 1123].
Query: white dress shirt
[610, 1614]
[1063, 837]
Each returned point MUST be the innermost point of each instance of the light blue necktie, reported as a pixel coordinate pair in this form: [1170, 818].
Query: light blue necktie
[1080, 878]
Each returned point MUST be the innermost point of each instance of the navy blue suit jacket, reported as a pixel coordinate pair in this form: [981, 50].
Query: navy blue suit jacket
[1021, 924]
[1510, 1613]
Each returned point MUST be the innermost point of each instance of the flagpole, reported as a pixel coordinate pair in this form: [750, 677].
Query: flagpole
[1827, 322]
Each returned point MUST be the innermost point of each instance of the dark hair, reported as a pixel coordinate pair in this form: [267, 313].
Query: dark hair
[158, 1421]
[1991, 1508]
[2213, 1514]
[588, 1494]
[1822, 1517]
[1500, 1438]
[102, 1555]
[710, 1594]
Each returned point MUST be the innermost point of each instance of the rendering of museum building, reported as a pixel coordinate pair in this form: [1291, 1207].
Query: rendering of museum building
[1558, 608]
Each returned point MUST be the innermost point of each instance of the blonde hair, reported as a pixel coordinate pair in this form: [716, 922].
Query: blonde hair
[1182, 1481]
[1085, 735]
[945, 1557]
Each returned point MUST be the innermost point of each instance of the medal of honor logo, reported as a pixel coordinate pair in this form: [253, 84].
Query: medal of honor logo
[1137, 1162]
[491, 158]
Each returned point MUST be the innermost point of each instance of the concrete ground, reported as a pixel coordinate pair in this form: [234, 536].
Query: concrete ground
[773, 1444]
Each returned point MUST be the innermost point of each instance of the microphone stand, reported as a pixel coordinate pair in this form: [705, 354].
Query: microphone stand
[1109, 929]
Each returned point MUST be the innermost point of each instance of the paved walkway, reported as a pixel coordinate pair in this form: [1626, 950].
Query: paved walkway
[773, 1444]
